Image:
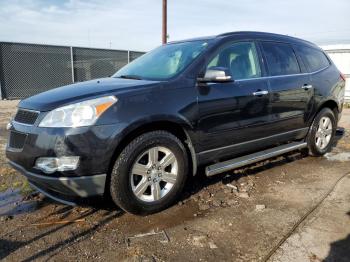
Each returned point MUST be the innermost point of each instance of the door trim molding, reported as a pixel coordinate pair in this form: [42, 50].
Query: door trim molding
[252, 141]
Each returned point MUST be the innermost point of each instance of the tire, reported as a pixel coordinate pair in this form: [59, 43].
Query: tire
[151, 149]
[318, 133]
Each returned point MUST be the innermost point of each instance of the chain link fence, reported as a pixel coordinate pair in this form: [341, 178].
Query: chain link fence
[28, 69]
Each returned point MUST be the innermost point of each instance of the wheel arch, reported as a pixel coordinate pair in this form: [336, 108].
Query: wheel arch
[178, 129]
[331, 104]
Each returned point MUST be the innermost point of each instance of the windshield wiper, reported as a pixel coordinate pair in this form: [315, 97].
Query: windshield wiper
[136, 77]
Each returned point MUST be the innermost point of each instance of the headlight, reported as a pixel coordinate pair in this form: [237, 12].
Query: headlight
[80, 114]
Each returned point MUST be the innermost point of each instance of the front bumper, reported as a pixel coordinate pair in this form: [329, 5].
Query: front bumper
[94, 145]
[65, 189]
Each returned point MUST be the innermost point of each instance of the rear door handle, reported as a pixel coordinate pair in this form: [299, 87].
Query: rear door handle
[260, 93]
[307, 87]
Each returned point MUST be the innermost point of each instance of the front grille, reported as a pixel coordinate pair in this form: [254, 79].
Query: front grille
[16, 140]
[26, 116]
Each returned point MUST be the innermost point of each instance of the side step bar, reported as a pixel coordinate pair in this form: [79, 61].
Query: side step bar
[252, 158]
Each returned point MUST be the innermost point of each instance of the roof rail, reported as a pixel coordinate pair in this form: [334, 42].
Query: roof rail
[265, 34]
[248, 32]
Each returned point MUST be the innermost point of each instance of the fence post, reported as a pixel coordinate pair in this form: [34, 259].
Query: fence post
[0, 90]
[1, 71]
[72, 63]
[128, 56]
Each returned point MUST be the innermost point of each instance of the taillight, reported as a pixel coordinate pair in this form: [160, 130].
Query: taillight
[342, 76]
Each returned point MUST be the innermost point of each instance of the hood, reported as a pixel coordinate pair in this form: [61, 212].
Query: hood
[76, 92]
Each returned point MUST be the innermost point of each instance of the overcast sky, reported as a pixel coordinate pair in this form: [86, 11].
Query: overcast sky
[136, 24]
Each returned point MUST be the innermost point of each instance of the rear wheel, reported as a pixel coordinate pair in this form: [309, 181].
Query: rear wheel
[322, 132]
[150, 173]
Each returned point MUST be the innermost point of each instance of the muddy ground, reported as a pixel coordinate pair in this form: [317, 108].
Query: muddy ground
[251, 214]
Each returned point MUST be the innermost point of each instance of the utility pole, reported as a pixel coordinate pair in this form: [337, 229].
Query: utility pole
[164, 33]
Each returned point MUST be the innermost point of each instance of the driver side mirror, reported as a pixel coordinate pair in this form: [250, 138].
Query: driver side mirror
[216, 75]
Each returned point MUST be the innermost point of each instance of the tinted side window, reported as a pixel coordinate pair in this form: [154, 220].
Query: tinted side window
[280, 58]
[313, 58]
[241, 58]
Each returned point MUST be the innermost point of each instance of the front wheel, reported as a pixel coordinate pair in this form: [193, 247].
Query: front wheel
[322, 132]
[150, 173]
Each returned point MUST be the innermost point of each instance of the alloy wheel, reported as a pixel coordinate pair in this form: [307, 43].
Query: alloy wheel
[324, 132]
[153, 174]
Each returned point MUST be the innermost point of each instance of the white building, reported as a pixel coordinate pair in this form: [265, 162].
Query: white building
[340, 54]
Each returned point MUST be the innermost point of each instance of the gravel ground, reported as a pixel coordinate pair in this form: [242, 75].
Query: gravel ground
[250, 214]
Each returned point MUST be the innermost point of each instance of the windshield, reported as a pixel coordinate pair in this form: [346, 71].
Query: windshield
[163, 62]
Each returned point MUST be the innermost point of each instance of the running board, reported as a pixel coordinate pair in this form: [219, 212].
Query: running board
[252, 158]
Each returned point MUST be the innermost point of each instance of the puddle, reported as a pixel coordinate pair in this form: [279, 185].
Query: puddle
[342, 157]
[11, 203]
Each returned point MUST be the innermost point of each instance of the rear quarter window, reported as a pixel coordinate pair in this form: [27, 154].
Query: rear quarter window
[280, 58]
[314, 59]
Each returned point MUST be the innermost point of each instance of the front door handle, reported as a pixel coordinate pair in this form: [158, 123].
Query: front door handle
[306, 87]
[260, 93]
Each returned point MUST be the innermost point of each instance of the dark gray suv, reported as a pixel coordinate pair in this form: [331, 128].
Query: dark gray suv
[222, 102]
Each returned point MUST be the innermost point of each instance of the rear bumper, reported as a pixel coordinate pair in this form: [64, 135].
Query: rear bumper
[65, 189]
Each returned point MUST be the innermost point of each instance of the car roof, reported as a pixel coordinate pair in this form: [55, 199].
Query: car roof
[253, 34]
[266, 36]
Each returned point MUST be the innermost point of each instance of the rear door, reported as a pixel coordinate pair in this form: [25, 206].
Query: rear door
[292, 91]
[317, 64]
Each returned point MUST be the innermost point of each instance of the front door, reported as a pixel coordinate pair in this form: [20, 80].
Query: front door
[236, 112]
